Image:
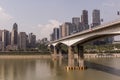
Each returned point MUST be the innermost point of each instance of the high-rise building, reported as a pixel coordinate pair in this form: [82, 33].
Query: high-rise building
[5, 38]
[1, 35]
[1, 45]
[66, 29]
[32, 40]
[56, 33]
[9, 38]
[52, 37]
[95, 22]
[96, 18]
[22, 40]
[14, 35]
[81, 27]
[63, 31]
[76, 23]
[84, 19]
[60, 31]
[76, 20]
[27, 42]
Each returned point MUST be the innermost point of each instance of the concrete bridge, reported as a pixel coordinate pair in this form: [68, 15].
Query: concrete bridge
[79, 39]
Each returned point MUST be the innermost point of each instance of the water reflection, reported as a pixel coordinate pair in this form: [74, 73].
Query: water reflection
[2, 72]
[14, 69]
[104, 68]
[46, 69]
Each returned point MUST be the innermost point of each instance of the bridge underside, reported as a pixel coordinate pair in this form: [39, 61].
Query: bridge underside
[80, 39]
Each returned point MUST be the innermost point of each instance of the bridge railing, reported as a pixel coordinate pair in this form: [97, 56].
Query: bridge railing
[90, 29]
[107, 24]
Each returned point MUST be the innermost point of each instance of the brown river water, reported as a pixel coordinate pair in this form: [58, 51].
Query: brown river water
[46, 69]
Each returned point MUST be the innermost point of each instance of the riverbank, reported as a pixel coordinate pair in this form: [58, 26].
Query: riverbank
[25, 56]
[115, 55]
[48, 56]
[24, 52]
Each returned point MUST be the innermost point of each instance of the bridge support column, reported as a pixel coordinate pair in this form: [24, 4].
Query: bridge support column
[60, 53]
[70, 57]
[60, 58]
[55, 53]
[80, 56]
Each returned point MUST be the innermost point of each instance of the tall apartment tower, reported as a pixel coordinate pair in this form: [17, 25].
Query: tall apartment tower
[66, 29]
[84, 19]
[60, 31]
[22, 40]
[52, 37]
[56, 33]
[14, 35]
[96, 18]
[5, 39]
[76, 20]
[1, 35]
[32, 40]
[76, 24]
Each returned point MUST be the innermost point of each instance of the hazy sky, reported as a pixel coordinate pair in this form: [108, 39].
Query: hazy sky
[41, 16]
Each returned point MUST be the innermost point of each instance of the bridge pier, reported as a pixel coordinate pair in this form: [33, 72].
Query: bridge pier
[60, 57]
[80, 56]
[55, 53]
[70, 56]
[60, 53]
[71, 65]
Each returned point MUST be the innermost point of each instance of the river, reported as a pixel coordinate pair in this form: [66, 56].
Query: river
[46, 69]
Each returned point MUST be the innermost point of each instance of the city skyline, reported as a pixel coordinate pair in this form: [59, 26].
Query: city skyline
[43, 15]
[15, 40]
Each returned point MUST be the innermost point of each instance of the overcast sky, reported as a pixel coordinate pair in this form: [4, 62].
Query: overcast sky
[41, 16]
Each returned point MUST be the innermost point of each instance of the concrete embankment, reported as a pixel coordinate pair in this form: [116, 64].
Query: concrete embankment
[25, 56]
[49, 56]
[99, 55]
